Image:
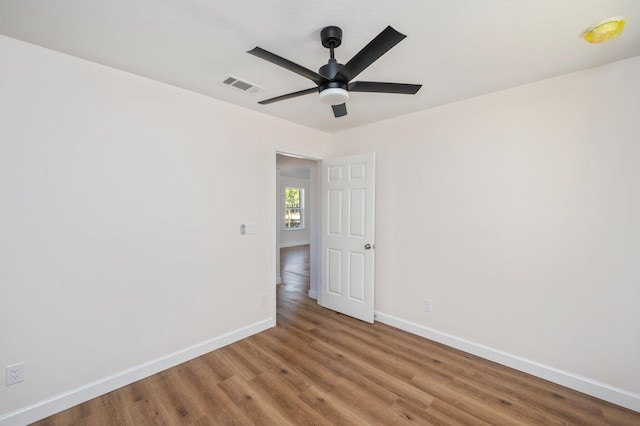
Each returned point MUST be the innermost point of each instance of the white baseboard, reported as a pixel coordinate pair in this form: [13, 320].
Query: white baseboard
[599, 390]
[313, 294]
[46, 408]
[295, 244]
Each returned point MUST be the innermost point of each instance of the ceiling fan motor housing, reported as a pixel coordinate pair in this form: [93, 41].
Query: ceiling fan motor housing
[331, 69]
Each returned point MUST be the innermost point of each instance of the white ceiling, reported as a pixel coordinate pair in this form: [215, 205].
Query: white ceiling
[456, 48]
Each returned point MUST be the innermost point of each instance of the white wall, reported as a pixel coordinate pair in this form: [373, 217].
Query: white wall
[518, 214]
[119, 219]
[295, 237]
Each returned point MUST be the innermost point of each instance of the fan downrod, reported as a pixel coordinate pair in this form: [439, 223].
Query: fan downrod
[331, 38]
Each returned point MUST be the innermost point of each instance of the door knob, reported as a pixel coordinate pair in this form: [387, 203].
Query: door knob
[367, 246]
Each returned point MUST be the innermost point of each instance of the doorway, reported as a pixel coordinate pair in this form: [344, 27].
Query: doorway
[298, 227]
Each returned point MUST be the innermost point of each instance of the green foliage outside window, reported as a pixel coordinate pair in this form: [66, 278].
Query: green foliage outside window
[293, 208]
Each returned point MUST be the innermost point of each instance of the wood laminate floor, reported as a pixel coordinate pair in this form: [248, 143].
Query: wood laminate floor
[318, 367]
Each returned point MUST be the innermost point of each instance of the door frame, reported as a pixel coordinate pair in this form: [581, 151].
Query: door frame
[315, 243]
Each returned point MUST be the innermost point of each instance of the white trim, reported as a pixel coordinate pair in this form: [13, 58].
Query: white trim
[295, 243]
[297, 153]
[591, 387]
[274, 267]
[313, 294]
[58, 403]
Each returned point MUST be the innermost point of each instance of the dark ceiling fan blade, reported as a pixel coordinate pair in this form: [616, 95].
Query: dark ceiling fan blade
[289, 96]
[339, 110]
[378, 87]
[370, 53]
[287, 64]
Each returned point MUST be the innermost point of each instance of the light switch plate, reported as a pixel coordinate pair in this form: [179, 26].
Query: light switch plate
[248, 228]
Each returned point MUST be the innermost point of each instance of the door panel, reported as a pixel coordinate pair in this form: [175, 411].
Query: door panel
[347, 282]
[334, 207]
[334, 269]
[357, 276]
[357, 213]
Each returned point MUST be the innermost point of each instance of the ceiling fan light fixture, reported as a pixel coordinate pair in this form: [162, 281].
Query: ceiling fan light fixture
[334, 80]
[605, 31]
[334, 96]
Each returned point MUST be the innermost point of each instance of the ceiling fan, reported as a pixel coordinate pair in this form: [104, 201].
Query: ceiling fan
[333, 80]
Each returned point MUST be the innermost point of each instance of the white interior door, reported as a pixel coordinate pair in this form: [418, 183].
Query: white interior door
[348, 235]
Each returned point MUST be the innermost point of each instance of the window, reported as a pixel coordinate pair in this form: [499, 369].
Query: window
[293, 208]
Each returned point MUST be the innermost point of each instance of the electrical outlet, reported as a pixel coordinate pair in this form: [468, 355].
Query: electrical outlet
[15, 373]
[263, 299]
[428, 307]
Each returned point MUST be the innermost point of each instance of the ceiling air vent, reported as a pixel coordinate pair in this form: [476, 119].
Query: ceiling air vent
[244, 85]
